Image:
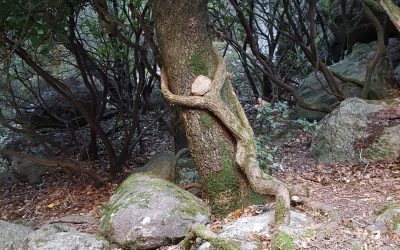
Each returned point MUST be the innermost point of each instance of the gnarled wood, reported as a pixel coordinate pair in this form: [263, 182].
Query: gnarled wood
[187, 52]
[236, 122]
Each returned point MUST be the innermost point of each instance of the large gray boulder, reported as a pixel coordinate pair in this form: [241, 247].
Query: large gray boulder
[156, 101]
[17, 168]
[362, 29]
[331, 9]
[12, 234]
[359, 131]
[146, 212]
[51, 110]
[58, 236]
[5, 173]
[315, 90]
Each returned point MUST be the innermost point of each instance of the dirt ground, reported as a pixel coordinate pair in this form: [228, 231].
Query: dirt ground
[351, 194]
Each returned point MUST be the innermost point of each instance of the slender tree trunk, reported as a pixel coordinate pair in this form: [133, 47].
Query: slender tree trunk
[66, 93]
[187, 52]
[248, 73]
[393, 11]
[379, 52]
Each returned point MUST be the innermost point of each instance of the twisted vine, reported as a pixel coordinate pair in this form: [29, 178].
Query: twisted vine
[236, 122]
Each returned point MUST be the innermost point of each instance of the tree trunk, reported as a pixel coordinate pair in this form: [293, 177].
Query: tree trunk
[379, 52]
[393, 12]
[187, 52]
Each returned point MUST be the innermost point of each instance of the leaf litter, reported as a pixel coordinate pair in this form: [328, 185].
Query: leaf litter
[352, 192]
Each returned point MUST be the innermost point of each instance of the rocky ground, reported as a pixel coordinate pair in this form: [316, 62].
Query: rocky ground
[352, 193]
[345, 197]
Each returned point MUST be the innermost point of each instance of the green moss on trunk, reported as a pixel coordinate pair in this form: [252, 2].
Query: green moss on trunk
[222, 186]
[187, 52]
[198, 65]
[280, 211]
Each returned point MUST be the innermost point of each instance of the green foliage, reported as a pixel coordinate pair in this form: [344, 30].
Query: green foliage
[307, 126]
[35, 21]
[357, 247]
[265, 155]
[292, 60]
[270, 116]
[273, 122]
[270, 119]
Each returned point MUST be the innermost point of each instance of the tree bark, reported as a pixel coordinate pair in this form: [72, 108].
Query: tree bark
[187, 52]
[379, 51]
[219, 134]
[393, 12]
[65, 92]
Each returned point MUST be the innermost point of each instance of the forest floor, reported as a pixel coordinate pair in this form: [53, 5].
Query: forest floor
[352, 192]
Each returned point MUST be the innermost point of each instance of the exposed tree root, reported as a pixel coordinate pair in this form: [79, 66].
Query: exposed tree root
[235, 120]
[280, 239]
[206, 234]
[334, 218]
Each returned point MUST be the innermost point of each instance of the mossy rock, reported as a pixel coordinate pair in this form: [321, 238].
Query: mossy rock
[359, 131]
[283, 241]
[59, 236]
[245, 227]
[388, 218]
[315, 90]
[147, 212]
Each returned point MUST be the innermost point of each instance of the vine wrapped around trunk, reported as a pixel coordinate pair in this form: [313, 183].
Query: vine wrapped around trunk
[236, 122]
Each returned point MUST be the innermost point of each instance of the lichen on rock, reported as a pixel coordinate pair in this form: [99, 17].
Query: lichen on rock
[359, 131]
[150, 212]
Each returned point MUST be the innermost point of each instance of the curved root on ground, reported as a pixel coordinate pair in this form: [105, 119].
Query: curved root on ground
[236, 122]
[206, 234]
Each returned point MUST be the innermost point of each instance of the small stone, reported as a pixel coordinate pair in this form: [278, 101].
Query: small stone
[296, 199]
[261, 103]
[205, 246]
[201, 85]
[146, 220]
